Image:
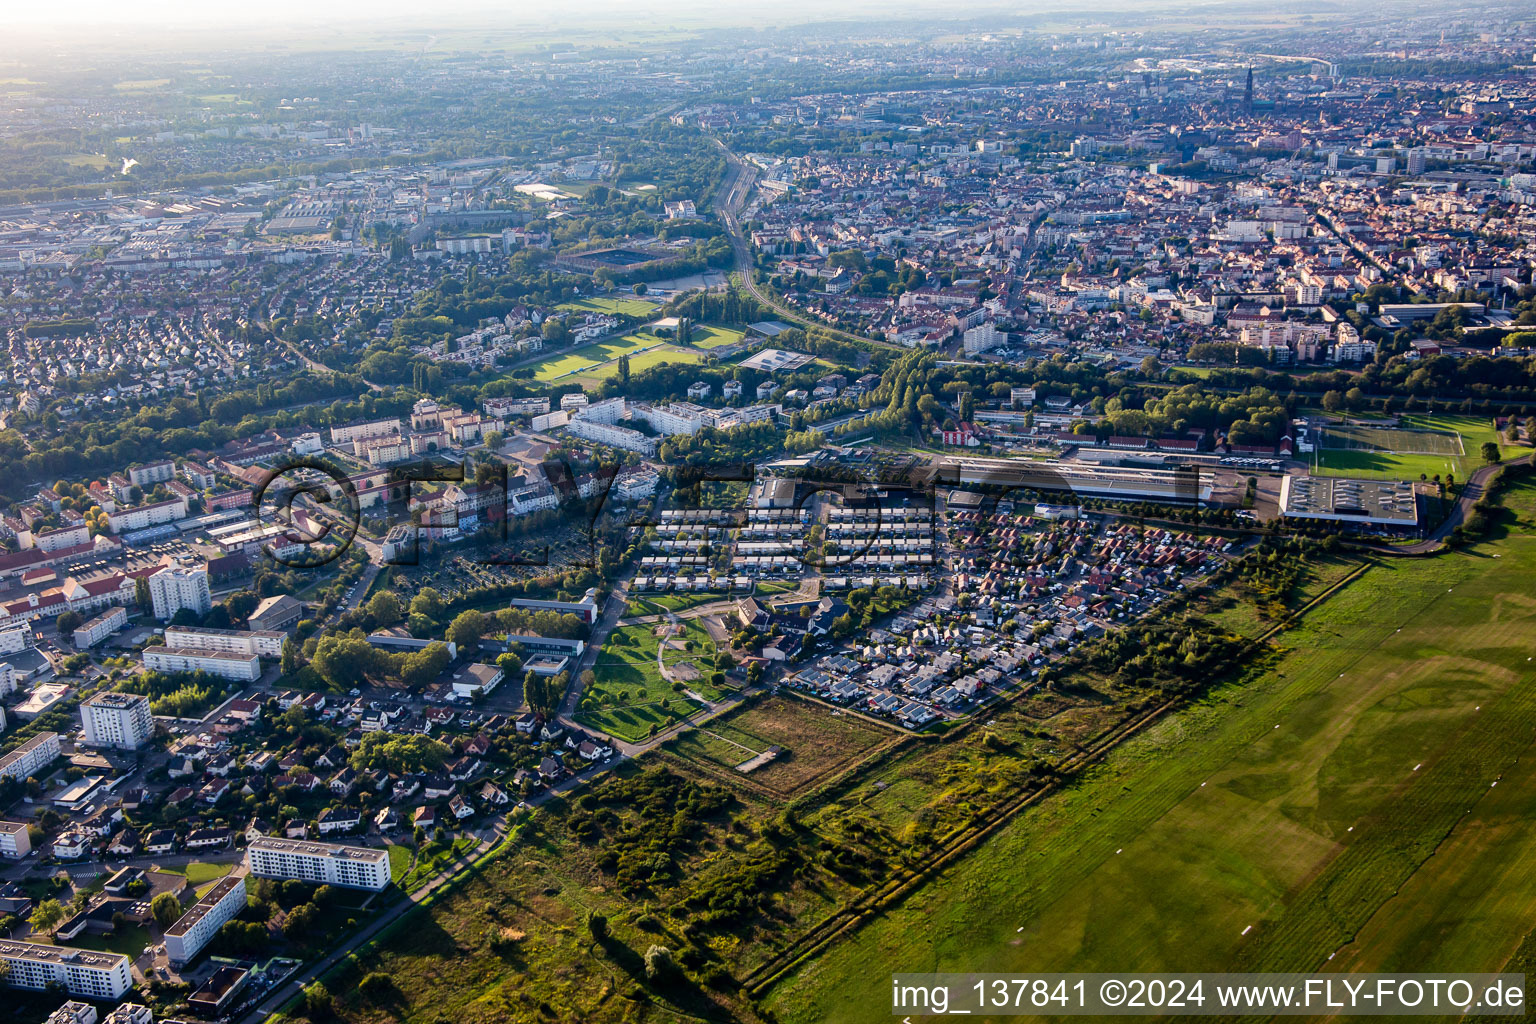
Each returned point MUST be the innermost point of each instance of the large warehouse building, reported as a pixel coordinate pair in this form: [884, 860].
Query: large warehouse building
[1182, 486]
[1340, 500]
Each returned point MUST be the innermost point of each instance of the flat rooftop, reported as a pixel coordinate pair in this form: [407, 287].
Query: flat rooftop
[205, 905]
[311, 848]
[113, 699]
[1387, 502]
[40, 953]
[202, 652]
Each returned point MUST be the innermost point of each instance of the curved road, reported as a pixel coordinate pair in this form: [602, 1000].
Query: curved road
[1475, 487]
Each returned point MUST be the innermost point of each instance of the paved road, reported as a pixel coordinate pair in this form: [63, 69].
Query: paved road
[1471, 492]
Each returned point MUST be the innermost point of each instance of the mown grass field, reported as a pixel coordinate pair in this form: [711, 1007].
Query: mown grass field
[1422, 448]
[707, 336]
[599, 360]
[1340, 802]
[611, 305]
[628, 696]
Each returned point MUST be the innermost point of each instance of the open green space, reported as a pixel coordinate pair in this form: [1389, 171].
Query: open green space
[400, 860]
[599, 360]
[129, 940]
[709, 336]
[813, 744]
[611, 305]
[1386, 439]
[430, 861]
[1304, 813]
[628, 696]
[655, 604]
[1423, 447]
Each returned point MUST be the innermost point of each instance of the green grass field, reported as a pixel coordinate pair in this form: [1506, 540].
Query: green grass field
[628, 696]
[1340, 802]
[612, 305]
[813, 744]
[706, 336]
[1417, 449]
[599, 360]
[1385, 439]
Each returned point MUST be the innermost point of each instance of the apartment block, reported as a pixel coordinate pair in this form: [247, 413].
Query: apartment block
[262, 643]
[197, 927]
[245, 667]
[120, 720]
[81, 972]
[15, 843]
[178, 586]
[31, 757]
[353, 867]
[102, 626]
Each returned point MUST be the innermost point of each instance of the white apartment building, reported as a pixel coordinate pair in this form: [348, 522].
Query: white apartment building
[73, 1012]
[66, 537]
[15, 843]
[243, 667]
[501, 408]
[141, 516]
[676, 418]
[364, 429]
[91, 633]
[13, 637]
[120, 720]
[262, 643]
[130, 1013]
[354, 867]
[612, 435]
[609, 410]
[176, 587]
[197, 927]
[7, 678]
[982, 338]
[82, 972]
[31, 757]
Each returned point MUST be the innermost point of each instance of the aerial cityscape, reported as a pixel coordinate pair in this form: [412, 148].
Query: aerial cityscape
[661, 514]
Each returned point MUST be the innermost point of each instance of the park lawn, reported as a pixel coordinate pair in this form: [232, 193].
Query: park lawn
[611, 305]
[1298, 803]
[660, 603]
[634, 722]
[710, 336]
[200, 874]
[628, 695]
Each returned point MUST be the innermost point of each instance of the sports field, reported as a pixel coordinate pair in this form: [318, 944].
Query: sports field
[707, 336]
[1424, 445]
[600, 359]
[611, 305]
[1346, 801]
